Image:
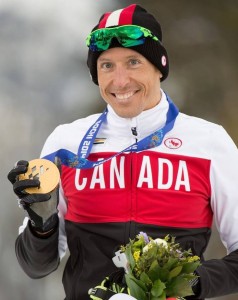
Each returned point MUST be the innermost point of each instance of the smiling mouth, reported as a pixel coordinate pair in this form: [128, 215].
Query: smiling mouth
[124, 96]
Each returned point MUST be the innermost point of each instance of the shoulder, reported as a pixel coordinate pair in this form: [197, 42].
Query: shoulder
[68, 136]
[79, 124]
[200, 124]
[214, 133]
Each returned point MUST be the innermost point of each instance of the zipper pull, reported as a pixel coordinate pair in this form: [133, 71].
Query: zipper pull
[134, 132]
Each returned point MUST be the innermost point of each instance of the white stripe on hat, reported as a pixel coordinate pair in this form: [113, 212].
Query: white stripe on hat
[113, 19]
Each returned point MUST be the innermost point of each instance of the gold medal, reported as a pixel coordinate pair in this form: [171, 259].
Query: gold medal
[46, 172]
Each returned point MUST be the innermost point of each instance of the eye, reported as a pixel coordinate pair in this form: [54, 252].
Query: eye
[134, 61]
[106, 65]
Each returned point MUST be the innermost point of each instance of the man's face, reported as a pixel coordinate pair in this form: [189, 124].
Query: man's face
[128, 81]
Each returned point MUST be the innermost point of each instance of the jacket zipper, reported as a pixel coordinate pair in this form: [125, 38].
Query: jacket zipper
[132, 229]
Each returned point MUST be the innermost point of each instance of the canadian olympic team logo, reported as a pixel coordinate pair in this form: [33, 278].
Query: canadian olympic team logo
[173, 143]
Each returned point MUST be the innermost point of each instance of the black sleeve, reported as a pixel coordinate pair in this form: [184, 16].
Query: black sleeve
[38, 257]
[219, 277]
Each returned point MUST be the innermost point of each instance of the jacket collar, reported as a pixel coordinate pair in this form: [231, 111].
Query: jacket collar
[148, 121]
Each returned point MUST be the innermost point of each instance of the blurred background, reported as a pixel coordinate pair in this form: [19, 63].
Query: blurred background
[44, 82]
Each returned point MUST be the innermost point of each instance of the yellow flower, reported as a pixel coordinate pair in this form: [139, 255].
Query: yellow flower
[193, 258]
[136, 255]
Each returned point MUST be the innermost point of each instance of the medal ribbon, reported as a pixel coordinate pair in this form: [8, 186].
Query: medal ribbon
[81, 160]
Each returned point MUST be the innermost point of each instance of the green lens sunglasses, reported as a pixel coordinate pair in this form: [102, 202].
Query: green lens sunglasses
[127, 36]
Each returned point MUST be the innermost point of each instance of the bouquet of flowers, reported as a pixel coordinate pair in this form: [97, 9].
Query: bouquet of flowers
[157, 269]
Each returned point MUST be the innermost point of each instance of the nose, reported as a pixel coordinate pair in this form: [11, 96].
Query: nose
[120, 77]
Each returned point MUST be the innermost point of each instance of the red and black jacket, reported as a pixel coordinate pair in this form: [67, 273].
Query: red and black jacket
[176, 188]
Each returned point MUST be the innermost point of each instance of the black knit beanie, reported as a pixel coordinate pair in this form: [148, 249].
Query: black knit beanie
[151, 49]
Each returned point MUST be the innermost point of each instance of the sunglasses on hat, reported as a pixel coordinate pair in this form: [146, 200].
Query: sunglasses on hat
[127, 36]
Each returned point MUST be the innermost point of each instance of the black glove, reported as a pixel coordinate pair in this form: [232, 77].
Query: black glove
[111, 285]
[196, 287]
[41, 208]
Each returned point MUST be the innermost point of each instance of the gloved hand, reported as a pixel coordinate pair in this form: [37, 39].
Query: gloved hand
[196, 287]
[41, 208]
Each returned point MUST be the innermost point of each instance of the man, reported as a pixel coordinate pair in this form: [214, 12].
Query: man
[139, 166]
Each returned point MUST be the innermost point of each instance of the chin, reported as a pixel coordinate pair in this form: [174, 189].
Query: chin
[127, 110]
